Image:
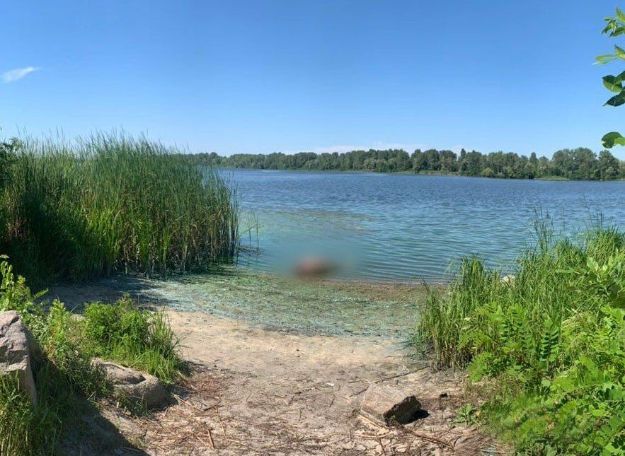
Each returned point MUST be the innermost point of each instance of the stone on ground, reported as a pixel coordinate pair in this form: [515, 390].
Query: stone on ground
[131, 384]
[15, 353]
[389, 405]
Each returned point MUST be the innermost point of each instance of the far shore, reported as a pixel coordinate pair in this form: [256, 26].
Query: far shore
[420, 173]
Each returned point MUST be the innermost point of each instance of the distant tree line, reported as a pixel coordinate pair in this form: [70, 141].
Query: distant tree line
[577, 164]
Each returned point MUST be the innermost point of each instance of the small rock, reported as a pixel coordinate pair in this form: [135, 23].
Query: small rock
[15, 352]
[132, 384]
[389, 405]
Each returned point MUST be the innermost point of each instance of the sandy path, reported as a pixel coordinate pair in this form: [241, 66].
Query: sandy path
[259, 392]
[256, 391]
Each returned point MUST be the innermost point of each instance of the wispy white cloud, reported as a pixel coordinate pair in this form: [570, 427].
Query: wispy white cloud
[17, 74]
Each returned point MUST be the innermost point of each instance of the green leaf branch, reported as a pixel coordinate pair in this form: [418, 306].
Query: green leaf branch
[615, 26]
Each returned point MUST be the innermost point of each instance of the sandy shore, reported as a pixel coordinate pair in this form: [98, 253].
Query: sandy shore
[272, 389]
[260, 392]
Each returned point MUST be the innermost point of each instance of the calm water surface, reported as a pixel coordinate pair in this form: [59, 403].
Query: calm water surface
[406, 227]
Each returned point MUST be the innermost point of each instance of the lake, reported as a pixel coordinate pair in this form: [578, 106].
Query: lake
[407, 227]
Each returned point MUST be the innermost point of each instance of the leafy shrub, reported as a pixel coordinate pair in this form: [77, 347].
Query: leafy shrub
[137, 338]
[547, 346]
[63, 372]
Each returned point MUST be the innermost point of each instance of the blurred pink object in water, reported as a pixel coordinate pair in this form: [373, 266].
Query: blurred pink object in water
[314, 267]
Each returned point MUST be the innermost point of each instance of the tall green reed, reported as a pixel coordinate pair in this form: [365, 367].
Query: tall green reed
[113, 203]
[547, 345]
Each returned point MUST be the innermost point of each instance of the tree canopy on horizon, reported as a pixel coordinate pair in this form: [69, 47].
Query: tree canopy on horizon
[577, 164]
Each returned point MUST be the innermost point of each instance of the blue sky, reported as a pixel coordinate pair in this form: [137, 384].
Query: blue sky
[290, 75]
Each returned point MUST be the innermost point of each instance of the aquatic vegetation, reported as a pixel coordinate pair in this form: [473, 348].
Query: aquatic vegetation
[547, 346]
[311, 307]
[112, 203]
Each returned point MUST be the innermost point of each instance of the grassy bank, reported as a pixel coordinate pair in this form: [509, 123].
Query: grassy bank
[546, 349]
[111, 203]
[66, 382]
[89, 208]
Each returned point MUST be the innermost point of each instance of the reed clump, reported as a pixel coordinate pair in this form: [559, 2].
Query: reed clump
[546, 348]
[112, 203]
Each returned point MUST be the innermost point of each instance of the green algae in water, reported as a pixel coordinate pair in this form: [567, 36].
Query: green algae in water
[276, 302]
[319, 307]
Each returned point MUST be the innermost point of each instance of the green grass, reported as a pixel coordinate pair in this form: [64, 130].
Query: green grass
[547, 349]
[134, 337]
[89, 208]
[22, 427]
[112, 203]
[66, 381]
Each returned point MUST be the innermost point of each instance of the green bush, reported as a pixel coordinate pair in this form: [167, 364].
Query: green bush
[137, 338]
[548, 346]
[63, 373]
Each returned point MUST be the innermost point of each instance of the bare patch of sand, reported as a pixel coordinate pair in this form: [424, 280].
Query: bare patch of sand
[281, 368]
[260, 392]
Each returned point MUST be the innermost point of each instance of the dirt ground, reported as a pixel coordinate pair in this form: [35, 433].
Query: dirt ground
[260, 392]
[281, 368]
